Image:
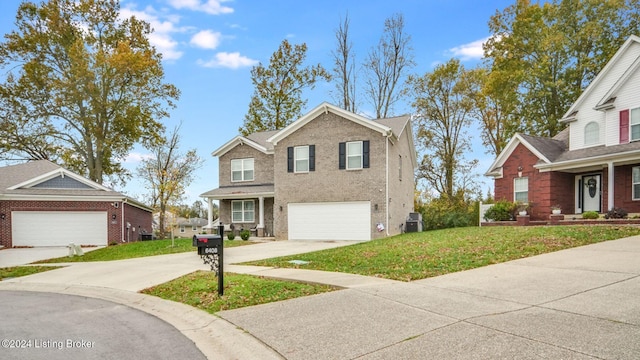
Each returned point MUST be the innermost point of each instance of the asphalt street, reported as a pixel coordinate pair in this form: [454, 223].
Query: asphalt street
[40, 325]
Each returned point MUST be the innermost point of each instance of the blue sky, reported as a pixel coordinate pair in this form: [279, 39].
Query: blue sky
[209, 47]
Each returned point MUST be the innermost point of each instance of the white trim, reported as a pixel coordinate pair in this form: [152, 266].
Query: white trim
[627, 156]
[599, 77]
[604, 104]
[346, 155]
[55, 173]
[239, 196]
[326, 108]
[253, 211]
[506, 153]
[239, 140]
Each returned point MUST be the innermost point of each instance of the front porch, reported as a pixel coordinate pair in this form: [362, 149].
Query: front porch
[244, 208]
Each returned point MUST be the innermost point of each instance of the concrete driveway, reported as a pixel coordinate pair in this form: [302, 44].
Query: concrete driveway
[23, 256]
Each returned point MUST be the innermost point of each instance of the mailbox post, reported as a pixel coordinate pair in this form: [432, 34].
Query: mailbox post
[211, 251]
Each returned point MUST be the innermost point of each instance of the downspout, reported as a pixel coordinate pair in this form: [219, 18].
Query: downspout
[386, 146]
[122, 222]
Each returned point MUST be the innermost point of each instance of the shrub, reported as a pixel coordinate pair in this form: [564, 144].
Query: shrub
[501, 211]
[245, 234]
[231, 235]
[590, 215]
[616, 213]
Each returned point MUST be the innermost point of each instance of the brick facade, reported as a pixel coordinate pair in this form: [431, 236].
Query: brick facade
[559, 188]
[115, 233]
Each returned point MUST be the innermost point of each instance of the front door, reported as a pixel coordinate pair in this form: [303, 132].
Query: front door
[591, 194]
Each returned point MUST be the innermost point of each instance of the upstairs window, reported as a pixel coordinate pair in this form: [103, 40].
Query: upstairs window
[353, 155]
[592, 133]
[521, 190]
[634, 124]
[242, 169]
[301, 159]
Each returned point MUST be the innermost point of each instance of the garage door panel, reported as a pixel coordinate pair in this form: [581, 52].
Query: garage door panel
[59, 228]
[330, 221]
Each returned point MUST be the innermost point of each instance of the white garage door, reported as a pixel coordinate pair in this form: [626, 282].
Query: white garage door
[58, 228]
[330, 221]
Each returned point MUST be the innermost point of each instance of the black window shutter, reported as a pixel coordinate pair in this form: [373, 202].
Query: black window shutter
[290, 159]
[312, 158]
[342, 151]
[365, 154]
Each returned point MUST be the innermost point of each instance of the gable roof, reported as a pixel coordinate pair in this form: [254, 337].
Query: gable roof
[32, 180]
[608, 100]
[545, 149]
[325, 108]
[257, 141]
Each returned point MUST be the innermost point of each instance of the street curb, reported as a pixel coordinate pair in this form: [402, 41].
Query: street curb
[215, 337]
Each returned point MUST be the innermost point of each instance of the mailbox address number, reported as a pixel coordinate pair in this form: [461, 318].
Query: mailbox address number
[210, 250]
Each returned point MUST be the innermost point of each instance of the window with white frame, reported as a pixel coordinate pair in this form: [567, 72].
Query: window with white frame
[182, 228]
[635, 181]
[301, 159]
[354, 155]
[242, 211]
[242, 169]
[592, 133]
[521, 189]
[634, 124]
[194, 228]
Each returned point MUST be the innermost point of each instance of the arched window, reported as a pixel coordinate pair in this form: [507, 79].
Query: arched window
[592, 133]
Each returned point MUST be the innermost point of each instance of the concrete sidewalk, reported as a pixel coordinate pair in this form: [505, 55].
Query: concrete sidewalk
[579, 303]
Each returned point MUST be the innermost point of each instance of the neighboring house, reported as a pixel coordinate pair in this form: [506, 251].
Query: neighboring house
[592, 165]
[42, 204]
[330, 175]
[189, 227]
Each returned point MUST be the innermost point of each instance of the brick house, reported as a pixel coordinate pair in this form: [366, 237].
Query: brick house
[330, 175]
[592, 165]
[42, 204]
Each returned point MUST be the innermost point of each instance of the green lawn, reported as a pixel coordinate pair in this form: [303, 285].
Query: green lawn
[200, 289]
[17, 271]
[138, 249]
[416, 256]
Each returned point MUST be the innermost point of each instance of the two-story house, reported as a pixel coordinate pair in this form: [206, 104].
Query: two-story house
[592, 165]
[330, 175]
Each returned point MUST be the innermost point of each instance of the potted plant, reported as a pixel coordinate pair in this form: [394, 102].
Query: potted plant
[556, 209]
[522, 209]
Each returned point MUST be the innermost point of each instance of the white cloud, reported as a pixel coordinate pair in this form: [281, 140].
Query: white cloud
[206, 39]
[470, 51]
[161, 37]
[228, 60]
[135, 157]
[213, 7]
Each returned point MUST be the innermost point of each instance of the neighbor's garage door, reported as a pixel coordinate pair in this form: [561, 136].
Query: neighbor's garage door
[330, 221]
[58, 228]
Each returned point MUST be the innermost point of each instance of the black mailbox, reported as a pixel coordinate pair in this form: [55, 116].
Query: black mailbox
[208, 244]
[211, 251]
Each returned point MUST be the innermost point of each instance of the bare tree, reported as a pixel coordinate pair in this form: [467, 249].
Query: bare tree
[344, 70]
[387, 64]
[168, 173]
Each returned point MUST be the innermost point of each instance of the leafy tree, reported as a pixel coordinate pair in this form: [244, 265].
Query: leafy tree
[494, 100]
[81, 86]
[387, 64]
[443, 113]
[553, 51]
[344, 71]
[168, 173]
[277, 98]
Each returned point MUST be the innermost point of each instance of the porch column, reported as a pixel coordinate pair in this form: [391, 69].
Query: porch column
[610, 186]
[261, 223]
[261, 202]
[210, 212]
